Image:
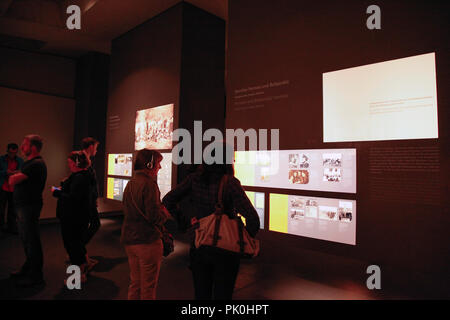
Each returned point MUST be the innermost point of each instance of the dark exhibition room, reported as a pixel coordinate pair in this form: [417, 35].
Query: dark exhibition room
[243, 150]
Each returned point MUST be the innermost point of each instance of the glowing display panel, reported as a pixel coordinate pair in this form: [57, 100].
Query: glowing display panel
[165, 174]
[115, 188]
[332, 170]
[392, 100]
[120, 164]
[154, 128]
[313, 217]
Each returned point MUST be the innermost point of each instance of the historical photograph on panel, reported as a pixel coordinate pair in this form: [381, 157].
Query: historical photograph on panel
[311, 209]
[332, 159]
[332, 174]
[328, 213]
[294, 160]
[297, 208]
[154, 128]
[345, 211]
[299, 176]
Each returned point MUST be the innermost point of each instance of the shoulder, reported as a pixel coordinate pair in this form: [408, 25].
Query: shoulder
[142, 181]
[234, 185]
[196, 176]
[37, 162]
[91, 172]
[234, 181]
[80, 177]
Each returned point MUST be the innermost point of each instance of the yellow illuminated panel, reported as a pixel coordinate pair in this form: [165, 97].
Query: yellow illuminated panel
[278, 211]
[110, 188]
[251, 197]
[111, 164]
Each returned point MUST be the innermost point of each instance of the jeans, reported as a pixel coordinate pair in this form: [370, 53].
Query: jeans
[6, 201]
[214, 273]
[145, 262]
[94, 225]
[28, 227]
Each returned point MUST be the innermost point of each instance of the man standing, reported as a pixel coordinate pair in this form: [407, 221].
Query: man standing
[89, 146]
[28, 186]
[9, 164]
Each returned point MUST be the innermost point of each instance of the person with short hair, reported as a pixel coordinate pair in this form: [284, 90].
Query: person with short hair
[89, 147]
[141, 229]
[9, 165]
[73, 209]
[28, 185]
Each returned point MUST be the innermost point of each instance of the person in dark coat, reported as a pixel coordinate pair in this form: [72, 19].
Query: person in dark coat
[214, 271]
[10, 164]
[73, 209]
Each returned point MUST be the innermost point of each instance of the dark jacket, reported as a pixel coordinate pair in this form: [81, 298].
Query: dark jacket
[94, 183]
[4, 168]
[74, 199]
[204, 197]
[142, 197]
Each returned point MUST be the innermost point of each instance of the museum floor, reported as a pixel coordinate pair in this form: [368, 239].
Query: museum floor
[258, 278]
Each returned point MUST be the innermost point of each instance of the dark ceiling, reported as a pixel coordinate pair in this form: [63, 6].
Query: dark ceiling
[41, 24]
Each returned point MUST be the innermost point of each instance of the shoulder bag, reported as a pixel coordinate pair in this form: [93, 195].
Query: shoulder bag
[220, 231]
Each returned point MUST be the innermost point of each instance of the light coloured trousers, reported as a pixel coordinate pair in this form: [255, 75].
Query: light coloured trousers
[145, 262]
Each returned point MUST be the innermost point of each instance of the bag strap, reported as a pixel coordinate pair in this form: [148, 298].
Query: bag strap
[223, 182]
[241, 236]
[219, 210]
[216, 236]
[220, 204]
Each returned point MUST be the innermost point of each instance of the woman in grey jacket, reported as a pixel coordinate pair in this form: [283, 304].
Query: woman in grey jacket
[144, 218]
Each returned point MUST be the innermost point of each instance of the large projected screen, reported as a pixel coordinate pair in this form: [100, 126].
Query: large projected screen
[120, 164]
[115, 188]
[313, 217]
[154, 128]
[165, 174]
[332, 170]
[392, 100]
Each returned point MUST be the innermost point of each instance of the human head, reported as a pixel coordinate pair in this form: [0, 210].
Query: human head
[225, 164]
[89, 145]
[148, 160]
[12, 150]
[32, 143]
[77, 161]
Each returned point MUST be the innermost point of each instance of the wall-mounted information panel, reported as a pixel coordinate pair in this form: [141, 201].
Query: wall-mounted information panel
[120, 164]
[314, 217]
[115, 188]
[329, 170]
